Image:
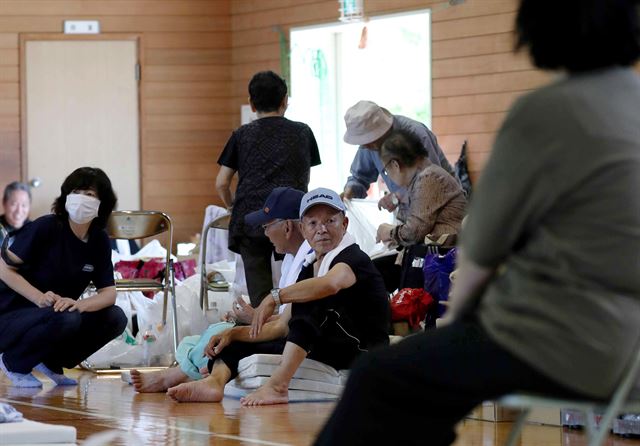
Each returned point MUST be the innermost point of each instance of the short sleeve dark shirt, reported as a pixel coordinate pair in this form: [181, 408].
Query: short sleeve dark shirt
[267, 153]
[366, 302]
[56, 260]
[557, 213]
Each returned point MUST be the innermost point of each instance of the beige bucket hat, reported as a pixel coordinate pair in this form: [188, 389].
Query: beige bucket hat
[366, 122]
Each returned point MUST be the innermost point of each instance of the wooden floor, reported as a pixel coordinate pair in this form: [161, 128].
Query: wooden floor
[101, 403]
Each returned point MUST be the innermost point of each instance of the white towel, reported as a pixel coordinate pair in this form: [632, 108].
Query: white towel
[291, 265]
[218, 239]
[346, 241]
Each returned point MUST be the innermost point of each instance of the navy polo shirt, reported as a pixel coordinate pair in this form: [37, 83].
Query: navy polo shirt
[56, 260]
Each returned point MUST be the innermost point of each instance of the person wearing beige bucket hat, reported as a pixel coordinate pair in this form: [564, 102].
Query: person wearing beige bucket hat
[368, 125]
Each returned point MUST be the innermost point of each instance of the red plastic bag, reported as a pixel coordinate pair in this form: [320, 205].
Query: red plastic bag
[128, 269]
[411, 305]
[152, 269]
[185, 268]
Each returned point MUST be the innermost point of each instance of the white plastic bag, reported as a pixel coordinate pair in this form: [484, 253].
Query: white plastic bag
[124, 351]
[364, 219]
[191, 319]
[121, 353]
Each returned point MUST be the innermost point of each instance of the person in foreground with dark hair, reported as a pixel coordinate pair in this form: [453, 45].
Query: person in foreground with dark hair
[547, 296]
[43, 325]
[16, 202]
[269, 152]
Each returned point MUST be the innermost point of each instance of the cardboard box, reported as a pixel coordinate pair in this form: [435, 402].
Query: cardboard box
[401, 328]
[545, 415]
[490, 411]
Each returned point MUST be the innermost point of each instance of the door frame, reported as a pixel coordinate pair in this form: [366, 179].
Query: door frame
[26, 37]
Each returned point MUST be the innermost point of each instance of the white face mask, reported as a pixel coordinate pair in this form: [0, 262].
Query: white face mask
[82, 208]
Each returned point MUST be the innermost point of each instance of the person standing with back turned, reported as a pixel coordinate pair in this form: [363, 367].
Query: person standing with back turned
[269, 152]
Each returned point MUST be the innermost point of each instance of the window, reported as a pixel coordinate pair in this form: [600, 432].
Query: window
[386, 60]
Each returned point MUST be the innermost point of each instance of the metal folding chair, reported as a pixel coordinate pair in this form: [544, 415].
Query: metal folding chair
[221, 222]
[134, 225]
[618, 403]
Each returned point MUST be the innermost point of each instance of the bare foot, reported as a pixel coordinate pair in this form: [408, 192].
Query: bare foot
[266, 395]
[157, 381]
[203, 391]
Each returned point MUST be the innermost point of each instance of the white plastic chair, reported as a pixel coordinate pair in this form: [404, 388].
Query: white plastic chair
[618, 403]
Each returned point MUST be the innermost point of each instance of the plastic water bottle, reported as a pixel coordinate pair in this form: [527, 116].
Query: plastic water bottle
[148, 338]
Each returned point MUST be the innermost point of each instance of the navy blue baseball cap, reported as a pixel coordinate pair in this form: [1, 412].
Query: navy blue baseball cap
[282, 203]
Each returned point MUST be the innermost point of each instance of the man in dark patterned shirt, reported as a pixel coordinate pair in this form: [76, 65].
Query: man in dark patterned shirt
[269, 152]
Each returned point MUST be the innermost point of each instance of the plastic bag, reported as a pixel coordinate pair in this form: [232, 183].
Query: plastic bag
[126, 351]
[153, 249]
[437, 269]
[191, 319]
[411, 305]
[123, 352]
[184, 268]
[364, 218]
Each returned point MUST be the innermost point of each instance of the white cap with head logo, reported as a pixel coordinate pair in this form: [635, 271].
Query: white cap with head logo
[321, 195]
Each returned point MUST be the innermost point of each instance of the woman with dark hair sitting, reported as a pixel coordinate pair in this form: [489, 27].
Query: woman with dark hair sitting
[547, 295]
[43, 325]
[16, 202]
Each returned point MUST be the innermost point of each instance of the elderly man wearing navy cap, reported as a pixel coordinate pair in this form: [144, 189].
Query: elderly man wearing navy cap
[368, 126]
[339, 309]
[278, 218]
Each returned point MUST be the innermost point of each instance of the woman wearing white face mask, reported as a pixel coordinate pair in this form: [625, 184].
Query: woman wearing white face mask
[49, 264]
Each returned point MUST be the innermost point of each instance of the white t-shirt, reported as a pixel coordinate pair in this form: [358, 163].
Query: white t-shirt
[291, 266]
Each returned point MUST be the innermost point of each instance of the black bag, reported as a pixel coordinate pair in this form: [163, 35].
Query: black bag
[462, 172]
[411, 275]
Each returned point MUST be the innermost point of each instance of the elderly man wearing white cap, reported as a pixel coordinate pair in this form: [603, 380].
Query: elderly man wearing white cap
[368, 125]
[339, 309]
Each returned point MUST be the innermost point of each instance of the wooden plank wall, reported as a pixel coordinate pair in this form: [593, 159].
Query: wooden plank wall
[200, 54]
[476, 76]
[185, 91]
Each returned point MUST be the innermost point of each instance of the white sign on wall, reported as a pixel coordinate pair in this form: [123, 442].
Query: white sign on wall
[81, 27]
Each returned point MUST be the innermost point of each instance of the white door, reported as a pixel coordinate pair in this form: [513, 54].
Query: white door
[81, 110]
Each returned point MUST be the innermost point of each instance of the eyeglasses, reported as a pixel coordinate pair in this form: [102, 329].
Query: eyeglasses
[267, 225]
[384, 169]
[313, 224]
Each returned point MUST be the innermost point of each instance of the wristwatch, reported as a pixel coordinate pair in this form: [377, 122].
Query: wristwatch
[275, 293]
